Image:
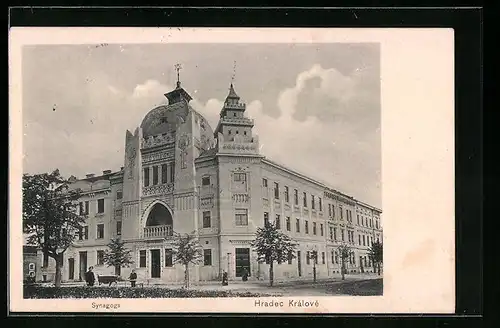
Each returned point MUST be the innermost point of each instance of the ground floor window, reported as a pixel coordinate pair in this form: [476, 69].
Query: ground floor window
[207, 257]
[100, 257]
[142, 259]
[168, 257]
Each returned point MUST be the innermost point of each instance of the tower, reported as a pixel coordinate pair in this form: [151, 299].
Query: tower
[234, 132]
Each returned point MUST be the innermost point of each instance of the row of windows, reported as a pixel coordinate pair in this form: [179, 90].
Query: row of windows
[83, 207]
[366, 240]
[167, 174]
[286, 193]
[83, 232]
[311, 256]
[169, 258]
[367, 222]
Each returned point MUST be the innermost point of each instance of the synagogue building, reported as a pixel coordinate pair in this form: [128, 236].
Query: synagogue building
[182, 175]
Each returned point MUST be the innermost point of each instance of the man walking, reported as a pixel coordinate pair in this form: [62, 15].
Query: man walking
[133, 278]
[90, 277]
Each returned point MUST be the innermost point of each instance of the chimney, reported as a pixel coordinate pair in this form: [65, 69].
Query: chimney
[106, 172]
[91, 175]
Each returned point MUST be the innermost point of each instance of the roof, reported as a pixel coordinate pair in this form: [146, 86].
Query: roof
[232, 93]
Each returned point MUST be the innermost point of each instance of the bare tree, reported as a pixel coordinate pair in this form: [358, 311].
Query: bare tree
[344, 252]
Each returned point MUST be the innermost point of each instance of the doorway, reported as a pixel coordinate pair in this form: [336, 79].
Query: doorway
[155, 263]
[242, 261]
[299, 266]
[71, 269]
[118, 270]
[83, 265]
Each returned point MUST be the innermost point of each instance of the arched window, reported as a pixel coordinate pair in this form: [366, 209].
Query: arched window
[159, 216]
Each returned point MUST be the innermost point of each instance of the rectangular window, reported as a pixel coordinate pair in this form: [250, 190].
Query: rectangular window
[241, 217]
[276, 191]
[364, 240]
[296, 196]
[305, 199]
[119, 228]
[341, 213]
[207, 257]
[142, 259]
[314, 228]
[277, 222]
[164, 173]
[100, 257]
[333, 257]
[287, 196]
[315, 257]
[321, 229]
[308, 257]
[312, 202]
[290, 258]
[342, 234]
[155, 175]
[100, 231]
[82, 210]
[359, 239]
[80, 233]
[264, 183]
[331, 233]
[357, 219]
[266, 219]
[288, 224]
[329, 209]
[334, 233]
[371, 241]
[320, 203]
[146, 176]
[172, 172]
[100, 205]
[119, 194]
[168, 257]
[205, 181]
[239, 177]
[306, 227]
[297, 225]
[206, 219]
[323, 257]
[85, 233]
[376, 224]
[333, 211]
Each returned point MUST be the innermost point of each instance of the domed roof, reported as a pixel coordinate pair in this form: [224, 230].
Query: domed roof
[163, 119]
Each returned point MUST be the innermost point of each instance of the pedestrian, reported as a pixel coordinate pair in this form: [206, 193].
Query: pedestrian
[90, 277]
[244, 277]
[224, 278]
[133, 278]
[96, 278]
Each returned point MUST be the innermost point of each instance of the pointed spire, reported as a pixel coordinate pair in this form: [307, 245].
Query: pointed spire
[178, 67]
[232, 94]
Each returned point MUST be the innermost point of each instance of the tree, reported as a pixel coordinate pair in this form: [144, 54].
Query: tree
[187, 249]
[271, 246]
[50, 217]
[117, 255]
[344, 252]
[376, 254]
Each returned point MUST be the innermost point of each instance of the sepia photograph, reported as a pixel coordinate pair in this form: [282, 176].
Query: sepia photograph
[202, 170]
[198, 169]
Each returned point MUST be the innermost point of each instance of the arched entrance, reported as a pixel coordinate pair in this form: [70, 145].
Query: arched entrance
[159, 222]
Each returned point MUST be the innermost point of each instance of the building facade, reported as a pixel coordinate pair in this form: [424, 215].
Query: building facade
[181, 175]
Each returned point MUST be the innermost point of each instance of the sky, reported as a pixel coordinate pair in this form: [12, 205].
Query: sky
[316, 106]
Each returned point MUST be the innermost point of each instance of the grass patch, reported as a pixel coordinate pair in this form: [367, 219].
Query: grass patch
[372, 287]
[38, 292]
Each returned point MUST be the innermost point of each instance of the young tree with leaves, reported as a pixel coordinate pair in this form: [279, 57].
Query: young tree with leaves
[271, 246]
[313, 255]
[345, 252]
[117, 255]
[376, 254]
[187, 249]
[50, 217]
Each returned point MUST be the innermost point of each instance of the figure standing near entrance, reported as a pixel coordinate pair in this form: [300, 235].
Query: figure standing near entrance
[90, 277]
[244, 277]
[133, 278]
[224, 278]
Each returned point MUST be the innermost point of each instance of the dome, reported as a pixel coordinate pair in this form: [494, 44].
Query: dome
[163, 119]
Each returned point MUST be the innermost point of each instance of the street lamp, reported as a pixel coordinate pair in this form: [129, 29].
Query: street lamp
[314, 257]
